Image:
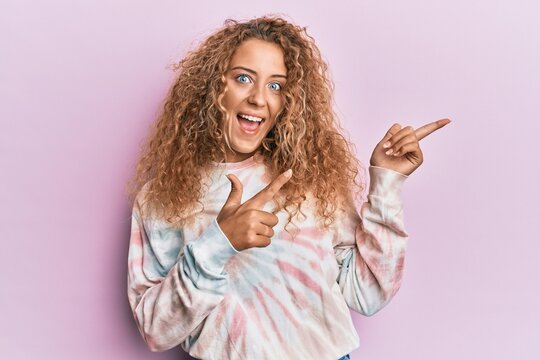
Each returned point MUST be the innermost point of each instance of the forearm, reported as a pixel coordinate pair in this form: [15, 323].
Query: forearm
[169, 308]
[371, 271]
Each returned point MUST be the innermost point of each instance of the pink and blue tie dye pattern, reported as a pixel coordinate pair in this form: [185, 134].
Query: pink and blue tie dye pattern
[189, 286]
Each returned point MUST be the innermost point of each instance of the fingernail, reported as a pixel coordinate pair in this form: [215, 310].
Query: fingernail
[386, 144]
[288, 173]
[389, 152]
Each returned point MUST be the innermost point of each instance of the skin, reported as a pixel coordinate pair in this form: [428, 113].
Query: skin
[255, 92]
[399, 150]
[246, 225]
[255, 78]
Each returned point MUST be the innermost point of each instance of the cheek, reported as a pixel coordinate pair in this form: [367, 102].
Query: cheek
[226, 100]
[277, 106]
[228, 97]
[233, 97]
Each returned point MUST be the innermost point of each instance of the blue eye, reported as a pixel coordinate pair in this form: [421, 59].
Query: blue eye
[275, 86]
[242, 76]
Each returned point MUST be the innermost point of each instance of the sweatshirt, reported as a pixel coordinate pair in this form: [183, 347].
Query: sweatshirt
[189, 286]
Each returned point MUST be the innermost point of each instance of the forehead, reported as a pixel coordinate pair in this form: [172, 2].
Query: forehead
[259, 55]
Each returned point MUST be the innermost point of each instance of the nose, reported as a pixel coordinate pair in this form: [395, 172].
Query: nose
[256, 97]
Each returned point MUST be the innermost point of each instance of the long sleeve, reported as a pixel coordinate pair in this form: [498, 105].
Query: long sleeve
[370, 246]
[172, 291]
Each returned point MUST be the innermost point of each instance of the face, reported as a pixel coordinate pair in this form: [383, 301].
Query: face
[255, 79]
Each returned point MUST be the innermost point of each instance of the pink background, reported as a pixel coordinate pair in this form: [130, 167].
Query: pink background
[81, 81]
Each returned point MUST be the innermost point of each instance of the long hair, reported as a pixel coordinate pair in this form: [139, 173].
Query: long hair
[188, 134]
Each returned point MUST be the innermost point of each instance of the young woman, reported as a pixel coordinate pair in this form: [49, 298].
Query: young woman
[247, 241]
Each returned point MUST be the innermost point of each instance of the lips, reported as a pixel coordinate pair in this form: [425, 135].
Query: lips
[249, 127]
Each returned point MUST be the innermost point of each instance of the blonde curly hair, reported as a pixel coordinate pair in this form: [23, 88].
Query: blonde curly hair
[188, 134]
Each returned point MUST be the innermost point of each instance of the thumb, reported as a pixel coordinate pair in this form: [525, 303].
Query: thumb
[235, 197]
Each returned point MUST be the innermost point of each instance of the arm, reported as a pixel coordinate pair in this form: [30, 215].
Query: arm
[170, 293]
[371, 262]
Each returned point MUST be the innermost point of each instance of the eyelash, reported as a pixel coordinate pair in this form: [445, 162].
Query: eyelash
[244, 75]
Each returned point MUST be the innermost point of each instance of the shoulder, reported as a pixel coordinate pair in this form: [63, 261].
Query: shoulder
[143, 206]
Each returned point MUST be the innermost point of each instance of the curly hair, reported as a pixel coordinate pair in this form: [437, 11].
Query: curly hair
[188, 135]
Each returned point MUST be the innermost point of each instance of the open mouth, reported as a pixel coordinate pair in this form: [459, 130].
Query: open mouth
[249, 126]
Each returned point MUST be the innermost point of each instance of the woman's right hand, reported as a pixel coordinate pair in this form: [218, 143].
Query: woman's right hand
[246, 225]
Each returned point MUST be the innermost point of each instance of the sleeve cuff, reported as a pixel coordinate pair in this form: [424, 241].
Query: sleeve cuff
[213, 249]
[386, 183]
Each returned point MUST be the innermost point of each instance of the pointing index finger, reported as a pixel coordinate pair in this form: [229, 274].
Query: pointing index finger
[427, 129]
[266, 194]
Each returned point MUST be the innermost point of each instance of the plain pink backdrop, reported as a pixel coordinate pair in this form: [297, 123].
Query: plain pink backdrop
[80, 83]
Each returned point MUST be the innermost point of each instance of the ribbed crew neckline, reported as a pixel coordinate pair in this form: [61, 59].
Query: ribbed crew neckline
[250, 161]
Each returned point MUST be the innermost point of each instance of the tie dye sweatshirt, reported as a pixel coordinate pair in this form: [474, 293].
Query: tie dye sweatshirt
[290, 300]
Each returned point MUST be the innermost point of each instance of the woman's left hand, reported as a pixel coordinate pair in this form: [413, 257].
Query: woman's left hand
[399, 150]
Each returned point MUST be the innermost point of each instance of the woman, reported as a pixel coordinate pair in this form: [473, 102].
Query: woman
[233, 255]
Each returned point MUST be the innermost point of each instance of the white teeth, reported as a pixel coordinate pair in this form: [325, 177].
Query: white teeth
[250, 118]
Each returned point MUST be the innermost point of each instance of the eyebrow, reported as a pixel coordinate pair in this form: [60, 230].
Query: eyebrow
[255, 73]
